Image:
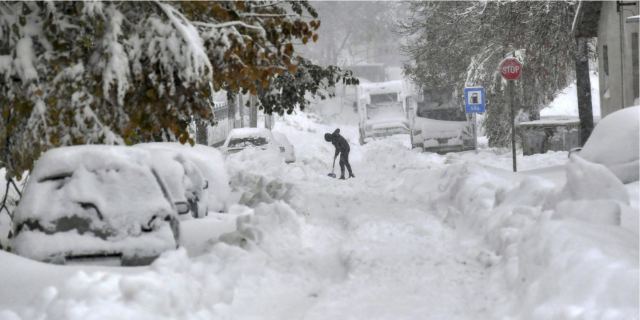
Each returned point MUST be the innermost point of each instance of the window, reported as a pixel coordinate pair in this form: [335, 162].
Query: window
[247, 142]
[452, 113]
[384, 98]
[605, 59]
[634, 63]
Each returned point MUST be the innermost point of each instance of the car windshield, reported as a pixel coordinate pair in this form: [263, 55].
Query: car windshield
[384, 98]
[438, 104]
[448, 114]
[247, 142]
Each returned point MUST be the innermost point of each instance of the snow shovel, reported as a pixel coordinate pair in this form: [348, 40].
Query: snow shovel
[332, 174]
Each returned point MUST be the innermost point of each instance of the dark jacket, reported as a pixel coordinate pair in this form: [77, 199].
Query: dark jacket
[338, 141]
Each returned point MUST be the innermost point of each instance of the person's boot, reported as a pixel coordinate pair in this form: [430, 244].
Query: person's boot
[351, 175]
[342, 177]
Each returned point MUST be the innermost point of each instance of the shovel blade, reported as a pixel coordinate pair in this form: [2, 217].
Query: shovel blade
[332, 175]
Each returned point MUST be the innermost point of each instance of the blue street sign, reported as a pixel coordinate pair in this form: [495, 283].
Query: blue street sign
[474, 100]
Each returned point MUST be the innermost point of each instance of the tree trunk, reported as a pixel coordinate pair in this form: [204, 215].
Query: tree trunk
[268, 121]
[584, 89]
[231, 108]
[201, 132]
[527, 94]
[241, 110]
[253, 113]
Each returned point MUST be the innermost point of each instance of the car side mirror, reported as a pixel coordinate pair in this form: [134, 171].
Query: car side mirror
[206, 185]
[182, 207]
[574, 150]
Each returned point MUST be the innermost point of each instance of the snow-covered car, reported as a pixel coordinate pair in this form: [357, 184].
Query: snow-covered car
[614, 143]
[102, 204]
[193, 174]
[243, 138]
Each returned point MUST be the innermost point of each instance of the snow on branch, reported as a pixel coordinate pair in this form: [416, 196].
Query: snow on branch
[231, 24]
[126, 72]
[197, 59]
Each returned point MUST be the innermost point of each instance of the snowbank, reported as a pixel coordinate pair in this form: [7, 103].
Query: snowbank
[247, 275]
[567, 254]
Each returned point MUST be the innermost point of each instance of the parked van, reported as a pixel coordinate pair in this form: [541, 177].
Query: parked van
[439, 124]
[382, 109]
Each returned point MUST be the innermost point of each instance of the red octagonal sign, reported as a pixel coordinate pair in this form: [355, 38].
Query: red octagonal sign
[510, 68]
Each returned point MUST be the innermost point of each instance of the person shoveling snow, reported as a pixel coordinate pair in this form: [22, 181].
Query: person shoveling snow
[342, 148]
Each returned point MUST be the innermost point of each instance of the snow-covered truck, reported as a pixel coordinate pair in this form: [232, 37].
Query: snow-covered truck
[439, 124]
[382, 109]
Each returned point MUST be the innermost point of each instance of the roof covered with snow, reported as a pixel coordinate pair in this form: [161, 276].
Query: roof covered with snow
[239, 133]
[614, 143]
[382, 87]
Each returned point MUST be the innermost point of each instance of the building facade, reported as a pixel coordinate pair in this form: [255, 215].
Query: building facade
[615, 24]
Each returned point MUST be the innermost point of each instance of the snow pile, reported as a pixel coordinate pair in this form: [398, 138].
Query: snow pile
[615, 143]
[240, 277]
[567, 254]
[594, 194]
[268, 218]
[267, 186]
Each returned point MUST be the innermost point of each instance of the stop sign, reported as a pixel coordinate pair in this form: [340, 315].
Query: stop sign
[510, 68]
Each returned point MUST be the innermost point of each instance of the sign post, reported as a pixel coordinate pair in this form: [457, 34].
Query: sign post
[510, 68]
[474, 102]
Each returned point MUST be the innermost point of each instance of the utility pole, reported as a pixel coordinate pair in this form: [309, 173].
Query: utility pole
[583, 84]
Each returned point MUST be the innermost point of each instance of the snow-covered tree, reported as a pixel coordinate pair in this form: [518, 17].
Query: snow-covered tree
[124, 72]
[457, 44]
[290, 89]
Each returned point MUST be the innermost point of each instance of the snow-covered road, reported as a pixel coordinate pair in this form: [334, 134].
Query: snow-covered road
[414, 236]
[401, 260]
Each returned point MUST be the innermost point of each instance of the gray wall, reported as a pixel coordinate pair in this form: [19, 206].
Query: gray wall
[619, 75]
